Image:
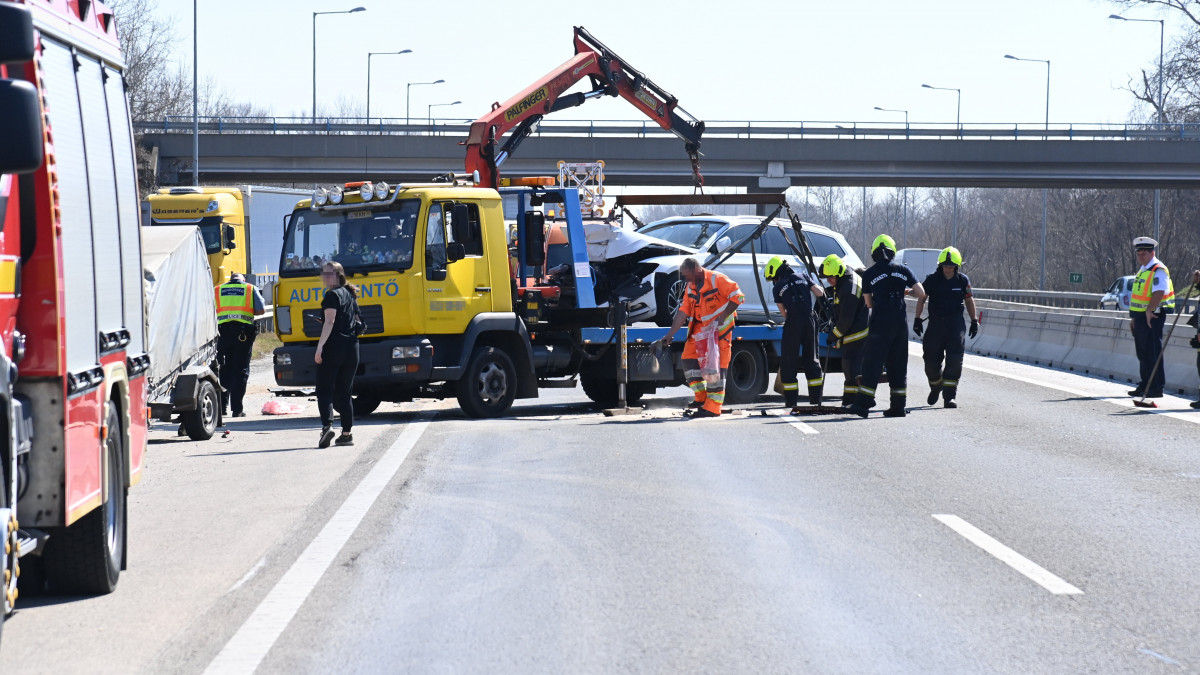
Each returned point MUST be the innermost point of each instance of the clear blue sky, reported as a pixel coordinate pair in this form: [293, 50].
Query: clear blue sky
[767, 60]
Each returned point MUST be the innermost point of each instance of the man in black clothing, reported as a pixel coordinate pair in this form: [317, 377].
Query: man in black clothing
[949, 290]
[884, 286]
[792, 294]
[850, 315]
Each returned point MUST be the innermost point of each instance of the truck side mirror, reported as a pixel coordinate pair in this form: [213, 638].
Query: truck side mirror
[460, 223]
[21, 137]
[228, 232]
[534, 238]
[455, 251]
[16, 34]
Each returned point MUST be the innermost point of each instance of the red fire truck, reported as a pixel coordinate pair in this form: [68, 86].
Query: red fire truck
[72, 367]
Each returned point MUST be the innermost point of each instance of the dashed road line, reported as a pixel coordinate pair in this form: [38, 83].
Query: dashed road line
[791, 419]
[1006, 555]
[250, 644]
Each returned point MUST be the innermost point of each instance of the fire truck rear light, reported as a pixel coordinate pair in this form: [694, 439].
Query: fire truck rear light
[335, 195]
[366, 191]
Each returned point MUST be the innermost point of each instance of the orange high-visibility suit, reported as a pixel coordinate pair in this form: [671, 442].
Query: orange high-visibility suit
[703, 306]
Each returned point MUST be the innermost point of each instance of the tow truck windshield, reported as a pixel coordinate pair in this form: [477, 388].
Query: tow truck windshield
[362, 240]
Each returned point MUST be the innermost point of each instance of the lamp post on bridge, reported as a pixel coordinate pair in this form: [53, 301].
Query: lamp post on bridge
[1161, 34]
[369, 55]
[904, 236]
[958, 125]
[408, 96]
[314, 59]
[195, 100]
[429, 111]
[1045, 191]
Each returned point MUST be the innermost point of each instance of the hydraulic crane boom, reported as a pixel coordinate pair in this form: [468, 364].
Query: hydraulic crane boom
[609, 75]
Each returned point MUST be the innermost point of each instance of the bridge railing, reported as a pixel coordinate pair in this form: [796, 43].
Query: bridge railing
[716, 129]
[1042, 298]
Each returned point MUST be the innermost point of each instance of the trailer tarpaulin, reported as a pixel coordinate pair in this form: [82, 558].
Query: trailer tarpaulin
[181, 312]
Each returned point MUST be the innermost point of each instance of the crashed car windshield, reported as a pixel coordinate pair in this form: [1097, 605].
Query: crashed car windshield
[691, 234]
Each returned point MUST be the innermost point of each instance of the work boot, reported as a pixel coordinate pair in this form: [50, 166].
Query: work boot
[1136, 392]
[695, 405]
[895, 412]
[857, 409]
[1195, 404]
[789, 399]
[703, 412]
[933, 395]
[950, 403]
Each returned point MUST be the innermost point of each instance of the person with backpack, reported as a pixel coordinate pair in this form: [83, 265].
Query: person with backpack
[337, 353]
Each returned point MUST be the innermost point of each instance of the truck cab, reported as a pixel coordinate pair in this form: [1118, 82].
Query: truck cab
[219, 213]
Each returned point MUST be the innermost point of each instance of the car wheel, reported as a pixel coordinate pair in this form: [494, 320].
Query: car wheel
[201, 423]
[668, 296]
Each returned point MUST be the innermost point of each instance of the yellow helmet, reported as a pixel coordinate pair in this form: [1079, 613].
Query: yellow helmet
[884, 241]
[772, 267]
[950, 255]
[832, 266]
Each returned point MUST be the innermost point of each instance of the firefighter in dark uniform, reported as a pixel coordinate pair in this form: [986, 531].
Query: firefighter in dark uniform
[884, 287]
[850, 316]
[237, 304]
[949, 291]
[793, 295]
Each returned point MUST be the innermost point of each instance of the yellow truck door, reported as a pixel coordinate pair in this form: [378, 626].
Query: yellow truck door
[459, 289]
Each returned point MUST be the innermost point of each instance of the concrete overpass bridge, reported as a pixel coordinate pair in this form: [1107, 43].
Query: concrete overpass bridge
[759, 156]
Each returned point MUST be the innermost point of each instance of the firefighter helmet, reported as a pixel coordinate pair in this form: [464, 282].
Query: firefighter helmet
[773, 266]
[832, 266]
[884, 241]
[950, 256]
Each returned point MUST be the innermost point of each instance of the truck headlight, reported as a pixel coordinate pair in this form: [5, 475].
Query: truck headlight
[406, 352]
[283, 359]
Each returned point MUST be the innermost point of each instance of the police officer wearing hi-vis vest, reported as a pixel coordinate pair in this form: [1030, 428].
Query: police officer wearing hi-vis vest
[792, 293]
[237, 304]
[1152, 300]
[949, 290]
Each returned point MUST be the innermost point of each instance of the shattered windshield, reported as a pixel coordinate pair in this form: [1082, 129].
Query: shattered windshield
[361, 240]
[689, 233]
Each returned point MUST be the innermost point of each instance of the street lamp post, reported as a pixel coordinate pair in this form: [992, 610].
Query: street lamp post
[408, 96]
[1045, 191]
[904, 236]
[369, 55]
[429, 111]
[1161, 34]
[195, 100]
[314, 59]
[958, 124]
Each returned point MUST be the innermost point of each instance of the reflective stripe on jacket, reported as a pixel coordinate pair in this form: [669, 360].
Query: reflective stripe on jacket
[1143, 286]
[235, 302]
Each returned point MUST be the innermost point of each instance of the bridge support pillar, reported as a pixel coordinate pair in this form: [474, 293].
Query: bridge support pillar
[773, 182]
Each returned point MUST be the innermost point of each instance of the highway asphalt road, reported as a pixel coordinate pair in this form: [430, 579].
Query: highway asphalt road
[1044, 526]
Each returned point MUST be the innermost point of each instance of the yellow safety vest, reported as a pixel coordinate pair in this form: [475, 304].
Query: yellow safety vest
[235, 302]
[1142, 290]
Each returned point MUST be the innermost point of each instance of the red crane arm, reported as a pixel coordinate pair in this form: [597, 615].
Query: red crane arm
[610, 76]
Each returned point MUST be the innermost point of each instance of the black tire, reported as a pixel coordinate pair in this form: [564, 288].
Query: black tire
[668, 294]
[603, 390]
[747, 376]
[201, 423]
[365, 405]
[88, 556]
[489, 385]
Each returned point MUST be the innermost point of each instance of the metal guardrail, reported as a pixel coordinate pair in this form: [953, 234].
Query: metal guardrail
[717, 129]
[1043, 298]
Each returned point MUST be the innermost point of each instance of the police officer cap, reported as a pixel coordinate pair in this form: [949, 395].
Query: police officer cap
[237, 277]
[1144, 244]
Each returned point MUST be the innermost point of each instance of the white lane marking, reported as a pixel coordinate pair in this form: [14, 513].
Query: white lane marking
[246, 649]
[1008, 556]
[262, 562]
[791, 419]
[1095, 387]
[1160, 657]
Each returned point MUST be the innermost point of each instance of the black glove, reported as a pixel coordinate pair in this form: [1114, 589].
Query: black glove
[974, 329]
[918, 325]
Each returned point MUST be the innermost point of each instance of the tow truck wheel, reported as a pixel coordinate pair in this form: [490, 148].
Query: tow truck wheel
[603, 391]
[88, 556]
[201, 423]
[365, 405]
[668, 296]
[489, 385]
[747, 374]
